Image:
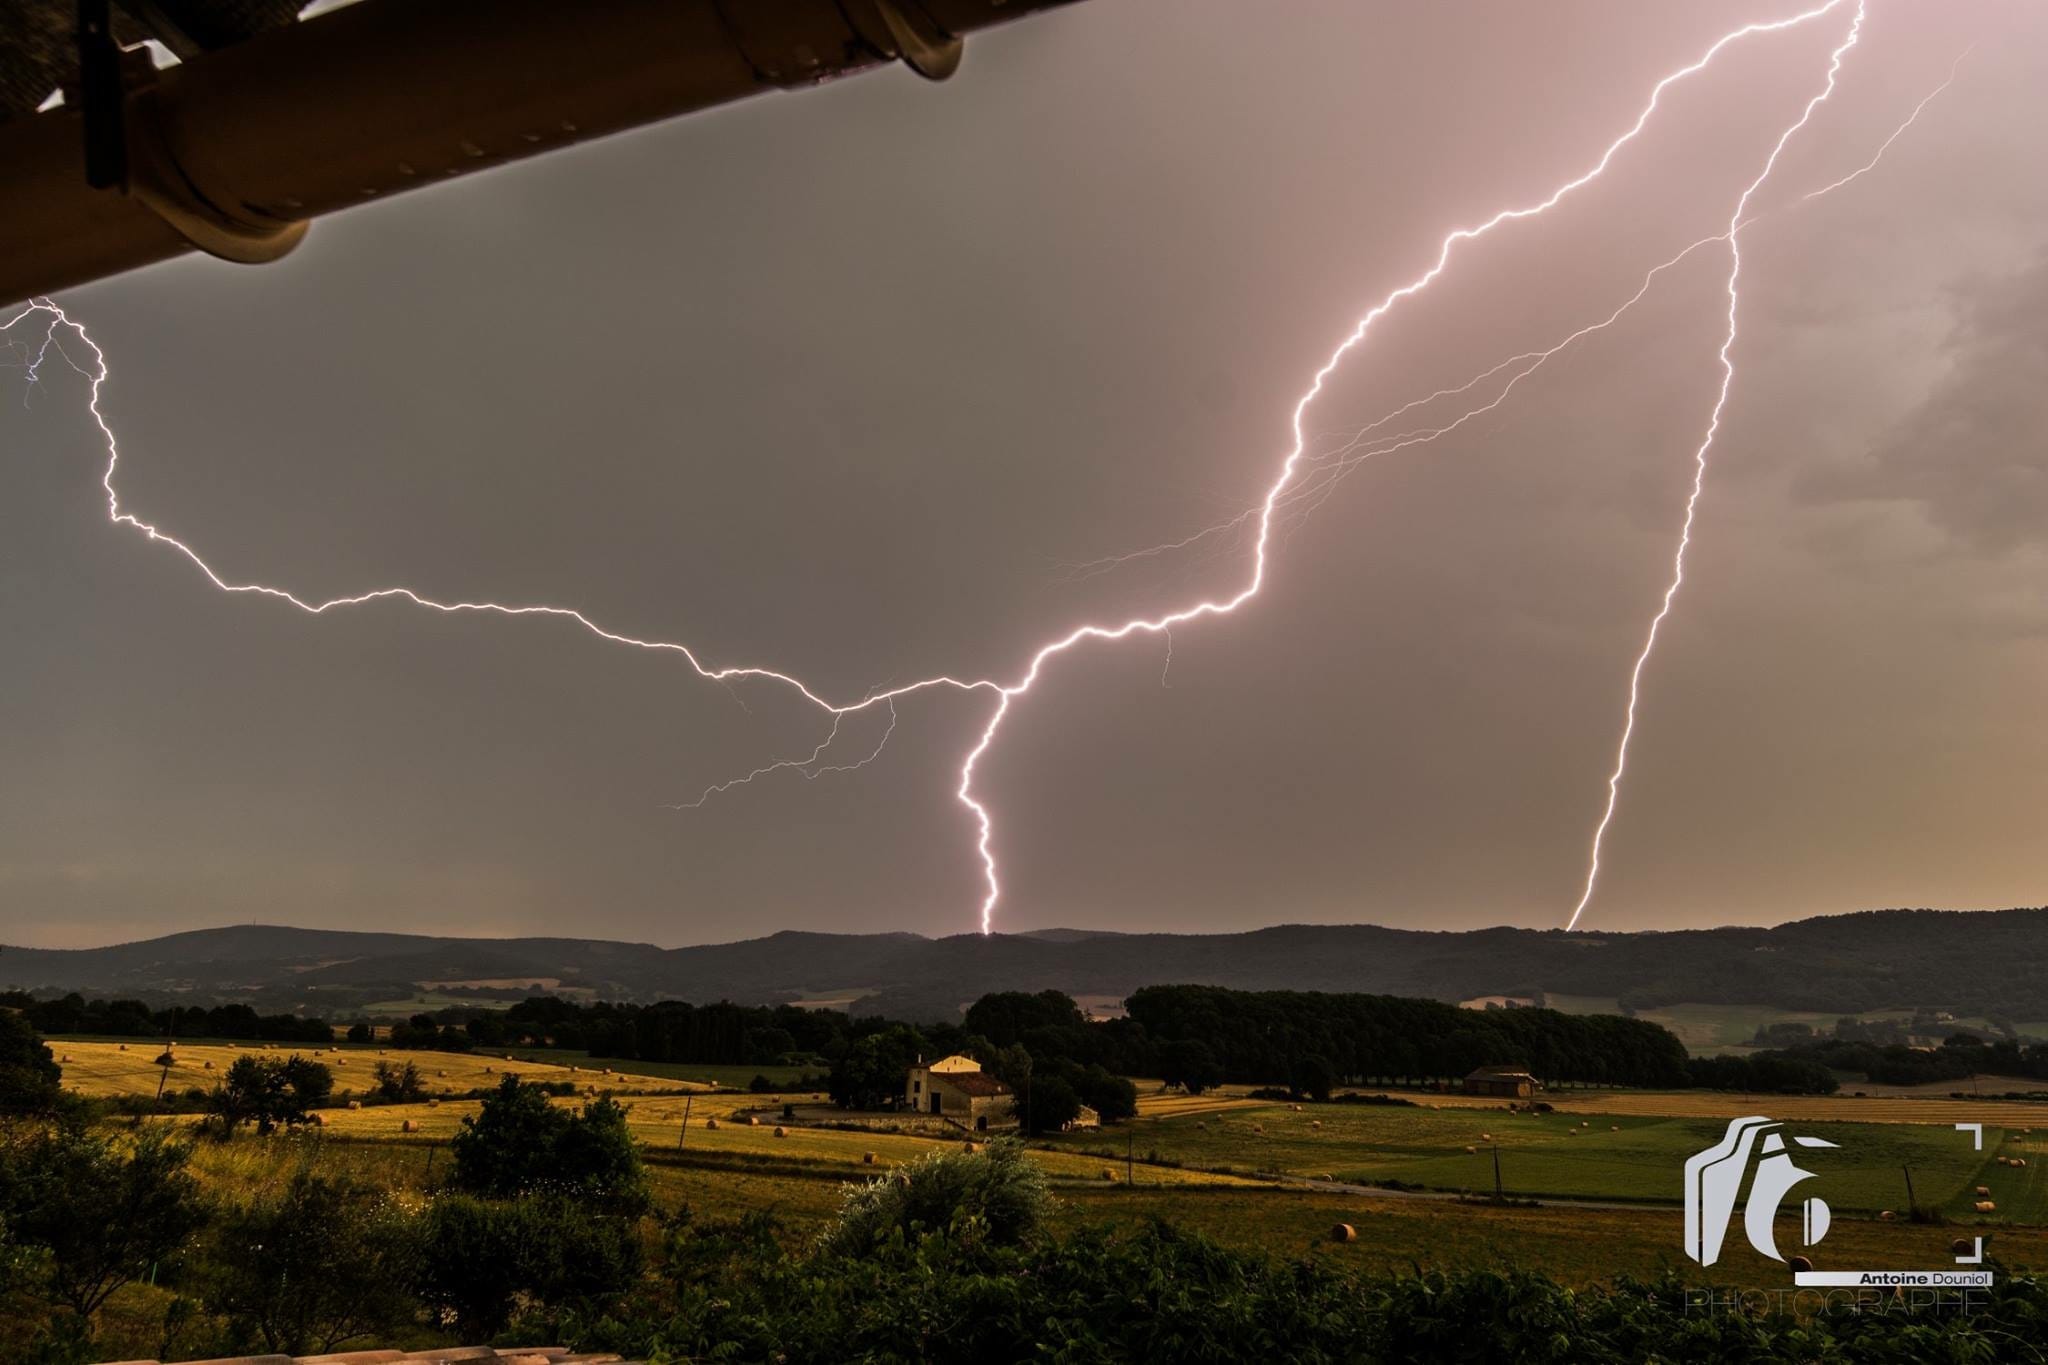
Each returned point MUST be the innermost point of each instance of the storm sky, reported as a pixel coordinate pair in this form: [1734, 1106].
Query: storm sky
[846, 383]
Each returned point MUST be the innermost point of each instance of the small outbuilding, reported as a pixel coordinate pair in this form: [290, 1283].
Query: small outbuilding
[1505, 1081]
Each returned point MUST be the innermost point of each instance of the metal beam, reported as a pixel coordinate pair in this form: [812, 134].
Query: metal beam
[234, 152]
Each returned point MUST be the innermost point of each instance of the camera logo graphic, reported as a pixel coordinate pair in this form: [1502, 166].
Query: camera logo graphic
[1713, 1179]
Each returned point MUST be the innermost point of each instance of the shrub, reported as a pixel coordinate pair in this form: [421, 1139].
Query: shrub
[324, 1261]
[998, 1196]
[480, 1258]
[99, 1213]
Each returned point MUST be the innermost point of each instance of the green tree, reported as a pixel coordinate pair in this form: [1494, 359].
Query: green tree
[30, 1079]
[1314, 1077]
[1190, 1064]
[400, 1084]
[326, 1260]
[1050, 1105]
[270, 1093]
[870, 1073]
[1113, 1098]
[102, 1212]
[519, 1143]
[509, 1146]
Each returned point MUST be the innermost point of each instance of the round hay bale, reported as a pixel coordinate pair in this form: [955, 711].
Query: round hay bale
[490, 1071]
[319, 1119]
[711, 1124]
[1962, 1246]
[753, 1122]
[1986, 1206]
[408, 1126]
[1585, 1123]
[1259, 1128]
[1614, 1128]
[1470, 1150]
[867, 1158]
[440, 1073]
[433, 1104]
[66, 1058]
[207, 1066]
[355, 1104]
[780, 1131]
[1295, 1107]
[970, 1146]
[1571, 1132]
[1886, 1216]
[1983, 1191]
[575, 1068]
[1486, 1137]
[1343, 1232]
[1797, 1263]
[1315, 1123]
[2019, 1161]
[165, 1058]
[124, 1047]
[1108, 1174]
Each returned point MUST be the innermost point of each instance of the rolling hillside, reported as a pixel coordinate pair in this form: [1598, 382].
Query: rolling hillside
[1974, 963]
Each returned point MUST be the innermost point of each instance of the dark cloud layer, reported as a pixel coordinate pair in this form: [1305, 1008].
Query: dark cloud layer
[846, 382]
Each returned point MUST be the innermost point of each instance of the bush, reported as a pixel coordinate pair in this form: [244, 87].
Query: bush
[99, 1213]
[520, 1144]
[480, 1258]
[998, 1196]
[325, 1261]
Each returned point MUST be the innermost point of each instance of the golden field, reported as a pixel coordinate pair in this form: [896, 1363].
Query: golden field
[102, 1069]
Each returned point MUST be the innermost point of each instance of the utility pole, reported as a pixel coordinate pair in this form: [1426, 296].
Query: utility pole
[1499, 1195]
[1911, 1202]
[1130, 1155]
[683, 1136]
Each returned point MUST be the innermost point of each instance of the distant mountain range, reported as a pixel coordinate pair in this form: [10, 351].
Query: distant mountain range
[1971, 962]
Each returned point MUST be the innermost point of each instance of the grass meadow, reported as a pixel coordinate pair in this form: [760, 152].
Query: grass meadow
[1211, 1162]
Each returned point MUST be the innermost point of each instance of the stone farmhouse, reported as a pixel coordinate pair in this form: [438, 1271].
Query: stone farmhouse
[955, 1088]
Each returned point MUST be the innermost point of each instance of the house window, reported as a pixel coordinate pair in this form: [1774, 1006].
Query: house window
[916, 1087]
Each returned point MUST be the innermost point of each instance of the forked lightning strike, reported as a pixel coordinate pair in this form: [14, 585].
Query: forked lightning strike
[1699, 463]
[1288, 490]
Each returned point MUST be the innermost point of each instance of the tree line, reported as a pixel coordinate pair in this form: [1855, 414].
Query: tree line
[73, 1013]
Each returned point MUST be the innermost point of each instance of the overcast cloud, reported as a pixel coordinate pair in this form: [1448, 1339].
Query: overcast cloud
[845, 382]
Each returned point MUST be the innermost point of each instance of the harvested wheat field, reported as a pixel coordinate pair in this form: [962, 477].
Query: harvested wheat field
[102, 1068]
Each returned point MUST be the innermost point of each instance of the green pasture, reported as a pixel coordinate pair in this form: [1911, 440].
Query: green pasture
[1597, 1157]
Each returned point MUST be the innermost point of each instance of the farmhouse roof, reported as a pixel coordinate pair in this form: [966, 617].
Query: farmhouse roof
[974, 1083]
[1499, 1073]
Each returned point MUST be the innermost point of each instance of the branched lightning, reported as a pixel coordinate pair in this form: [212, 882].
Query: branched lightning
[1303, 479]
[1699, 462]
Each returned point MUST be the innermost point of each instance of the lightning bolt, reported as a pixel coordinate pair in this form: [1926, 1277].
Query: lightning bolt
[1699, 463]
[1287, 490]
